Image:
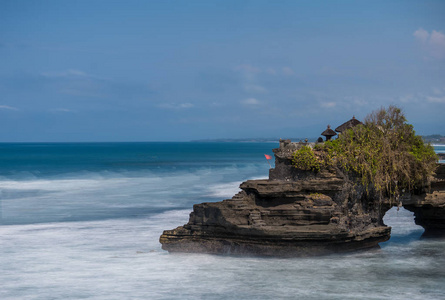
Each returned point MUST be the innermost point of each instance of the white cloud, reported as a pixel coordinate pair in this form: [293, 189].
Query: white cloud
[421, 34]
[61, 110]
[407, 98]
[436, 99]
[433, 43]
[287, 71]
[435, 95]
[175, 105]
[250, 101]
[437, 91]
[6, 107]
[328, 104]
[72, 74]
[248, 69]
[185, 105]
[360, 101]
[66, 73]
[437, 43]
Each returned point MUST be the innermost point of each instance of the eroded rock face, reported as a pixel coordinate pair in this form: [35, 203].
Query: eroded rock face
[429, 207]
[293, 213]
[300, 213]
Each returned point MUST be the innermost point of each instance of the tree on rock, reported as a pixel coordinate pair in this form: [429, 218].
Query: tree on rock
[384, 154]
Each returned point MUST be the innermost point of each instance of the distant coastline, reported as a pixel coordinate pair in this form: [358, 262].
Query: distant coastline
[434, 139]
[251, 140]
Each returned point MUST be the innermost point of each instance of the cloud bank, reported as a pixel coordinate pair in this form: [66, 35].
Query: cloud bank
[7, 107]
[433, 43]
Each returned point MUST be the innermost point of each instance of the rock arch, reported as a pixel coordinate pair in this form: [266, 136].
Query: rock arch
[300, 213]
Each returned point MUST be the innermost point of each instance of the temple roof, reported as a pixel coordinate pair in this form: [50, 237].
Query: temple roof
[349, 124]
[328, 132]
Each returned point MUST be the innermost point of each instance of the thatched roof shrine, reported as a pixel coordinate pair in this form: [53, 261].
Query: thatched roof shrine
[328, 133]
[349, 124]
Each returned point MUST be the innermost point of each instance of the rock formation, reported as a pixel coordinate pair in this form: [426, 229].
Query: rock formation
[298, 213]
[429, 207]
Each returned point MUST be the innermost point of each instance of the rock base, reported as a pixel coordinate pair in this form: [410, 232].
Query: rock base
[279, 218]
[178, 240]
[300, 213]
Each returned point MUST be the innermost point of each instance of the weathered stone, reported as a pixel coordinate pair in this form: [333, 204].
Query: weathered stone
[297, 213]
[429, 207]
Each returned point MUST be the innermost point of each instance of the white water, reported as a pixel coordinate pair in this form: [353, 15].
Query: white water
[95, 236]
[122, 259]
[92, 196]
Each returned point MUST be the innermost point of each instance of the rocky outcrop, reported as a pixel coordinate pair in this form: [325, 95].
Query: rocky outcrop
[293, 213]
[429, 207]
[299, 213]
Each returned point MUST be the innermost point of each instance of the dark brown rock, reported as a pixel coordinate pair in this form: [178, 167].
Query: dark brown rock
[294, 213]
[300, 213]
[429, 207]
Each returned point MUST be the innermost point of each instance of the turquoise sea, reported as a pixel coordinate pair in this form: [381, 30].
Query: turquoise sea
[82, 221]
[440, 149]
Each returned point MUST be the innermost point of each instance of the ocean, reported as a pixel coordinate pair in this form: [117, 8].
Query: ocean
[83, 220]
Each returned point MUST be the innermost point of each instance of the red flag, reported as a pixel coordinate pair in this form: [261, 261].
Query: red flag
[268, 156]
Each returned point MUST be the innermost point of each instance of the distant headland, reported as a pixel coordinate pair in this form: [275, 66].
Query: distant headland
[433, 139]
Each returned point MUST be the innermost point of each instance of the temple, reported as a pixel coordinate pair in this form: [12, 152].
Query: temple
[301, 213]
[349, 124]
[329, 133]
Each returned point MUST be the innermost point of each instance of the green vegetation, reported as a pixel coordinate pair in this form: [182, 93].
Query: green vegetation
[318, 196]
[383, 154]
[305, 159]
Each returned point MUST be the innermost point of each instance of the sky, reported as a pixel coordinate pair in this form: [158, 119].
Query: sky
[95, 71]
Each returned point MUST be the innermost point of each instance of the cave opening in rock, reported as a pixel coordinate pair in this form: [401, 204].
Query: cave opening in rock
[403, 228]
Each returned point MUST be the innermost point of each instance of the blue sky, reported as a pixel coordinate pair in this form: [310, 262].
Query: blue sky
[184, 70]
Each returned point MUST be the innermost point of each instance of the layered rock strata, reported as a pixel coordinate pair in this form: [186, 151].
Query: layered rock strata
[293, 213]
[300, 213]
[429, 207]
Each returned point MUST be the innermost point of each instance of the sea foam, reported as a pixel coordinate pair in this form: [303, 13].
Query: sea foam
[119, 259]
